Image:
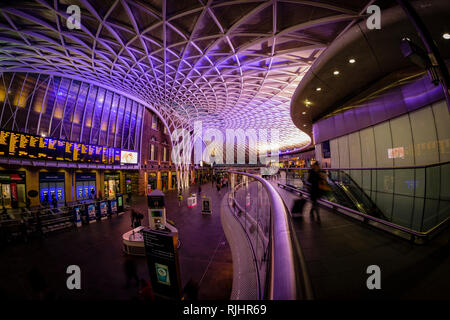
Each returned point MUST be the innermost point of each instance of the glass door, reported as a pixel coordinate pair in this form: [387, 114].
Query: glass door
[6, 195]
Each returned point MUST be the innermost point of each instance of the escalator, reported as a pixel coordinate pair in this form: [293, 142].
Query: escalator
[348, 193]
[344, 191]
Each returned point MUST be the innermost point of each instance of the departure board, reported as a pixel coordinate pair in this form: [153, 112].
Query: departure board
[98, 154]
[14, 139]
[42, 148]
[69, 154]
[90, 154]
[33, 147]
[4, 142]
[51, 149]
[105, 155]
[60, 150]
[22, 145]
[83, 152]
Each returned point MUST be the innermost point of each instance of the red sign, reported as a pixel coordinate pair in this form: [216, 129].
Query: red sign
[14, 191]
[15, 177]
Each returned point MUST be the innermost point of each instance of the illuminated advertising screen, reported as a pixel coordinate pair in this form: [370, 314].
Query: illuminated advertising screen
[128, 157]
[113, 206]
[91, 211]
[22, 145]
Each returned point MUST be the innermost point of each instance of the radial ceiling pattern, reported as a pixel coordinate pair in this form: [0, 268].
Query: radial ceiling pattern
[231, 64]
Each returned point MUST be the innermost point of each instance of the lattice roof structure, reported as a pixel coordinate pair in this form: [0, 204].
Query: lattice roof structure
[231, 64]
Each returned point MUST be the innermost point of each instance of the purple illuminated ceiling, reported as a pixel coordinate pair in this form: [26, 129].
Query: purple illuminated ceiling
[232, 64]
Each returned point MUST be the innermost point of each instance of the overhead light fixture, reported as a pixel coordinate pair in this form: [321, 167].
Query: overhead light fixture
[304, 125]
[304, 112]
[446, 36]
[307, 102]
[352, 60]
[336, 72]
[318, 89]
[43, 135]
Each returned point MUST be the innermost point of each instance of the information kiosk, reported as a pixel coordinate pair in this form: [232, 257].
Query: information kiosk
[156, 209]
[160, 244]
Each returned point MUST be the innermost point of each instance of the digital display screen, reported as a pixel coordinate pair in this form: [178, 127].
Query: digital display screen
[157, 213]
[21, 145]
[128, 157]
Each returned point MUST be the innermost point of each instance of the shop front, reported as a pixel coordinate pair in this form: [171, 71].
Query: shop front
[164, 181]
[51, 184]
[12, 188]
[111, 185]
[152, 180]
[131, 182]
[85, 185]
[174, 180]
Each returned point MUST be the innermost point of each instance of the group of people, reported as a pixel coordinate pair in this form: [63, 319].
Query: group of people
[221, 182]
[46, 202]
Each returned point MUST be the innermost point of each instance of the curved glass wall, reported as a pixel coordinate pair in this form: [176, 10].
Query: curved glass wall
[69, 109]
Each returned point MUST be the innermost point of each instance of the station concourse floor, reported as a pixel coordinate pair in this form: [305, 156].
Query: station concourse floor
[338, 249]
[204, 255]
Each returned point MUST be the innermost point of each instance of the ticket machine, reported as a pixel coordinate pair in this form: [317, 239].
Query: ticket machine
[156, 210]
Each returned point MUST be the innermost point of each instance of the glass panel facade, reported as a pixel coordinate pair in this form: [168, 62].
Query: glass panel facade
[69, 109]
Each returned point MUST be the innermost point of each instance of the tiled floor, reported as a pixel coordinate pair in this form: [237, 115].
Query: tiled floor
[97, 248]
[338, 250]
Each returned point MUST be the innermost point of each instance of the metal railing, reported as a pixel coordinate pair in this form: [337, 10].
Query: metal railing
[281, 267]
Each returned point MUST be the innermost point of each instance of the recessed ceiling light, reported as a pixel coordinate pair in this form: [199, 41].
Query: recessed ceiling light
[318, 89]
[336, 72]
[304, 125]
[446, 36]
[304, 112]
[307, 102]
[352, 60]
